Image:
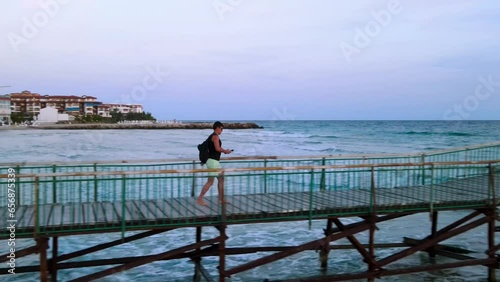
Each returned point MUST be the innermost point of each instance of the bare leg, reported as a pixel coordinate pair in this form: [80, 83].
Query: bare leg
[207, 186]
[220, 187]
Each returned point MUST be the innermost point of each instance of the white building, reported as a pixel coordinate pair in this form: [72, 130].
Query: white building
[5, 110]
[50, 114]
[105, 110]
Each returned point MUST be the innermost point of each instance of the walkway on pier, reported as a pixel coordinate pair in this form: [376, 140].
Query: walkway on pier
[465, 193]
[74, 199]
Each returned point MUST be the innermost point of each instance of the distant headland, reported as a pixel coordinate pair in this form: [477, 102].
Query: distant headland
[184, 125]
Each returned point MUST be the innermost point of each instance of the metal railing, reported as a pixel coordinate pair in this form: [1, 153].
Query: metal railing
[64, 198]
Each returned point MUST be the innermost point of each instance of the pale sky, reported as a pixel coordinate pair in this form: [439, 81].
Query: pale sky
[260, 59]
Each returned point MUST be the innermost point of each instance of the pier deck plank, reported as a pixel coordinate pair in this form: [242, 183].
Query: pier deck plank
[184, 211]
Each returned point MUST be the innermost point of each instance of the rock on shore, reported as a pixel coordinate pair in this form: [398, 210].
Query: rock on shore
[193, 125]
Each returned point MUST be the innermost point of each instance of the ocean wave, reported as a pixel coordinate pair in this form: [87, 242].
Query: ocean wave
[287, 134]
[436, 133]
[325, 136]
[312, 142]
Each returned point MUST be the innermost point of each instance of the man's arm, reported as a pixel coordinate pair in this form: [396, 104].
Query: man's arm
[218, 148]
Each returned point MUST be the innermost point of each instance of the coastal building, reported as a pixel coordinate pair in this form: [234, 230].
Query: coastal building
[31, 103]
[105, 110]
[5, 110]
[25, 102]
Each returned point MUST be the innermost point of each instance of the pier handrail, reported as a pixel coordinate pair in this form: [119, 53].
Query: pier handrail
[91, 197]
[249, 169]
[257, 158]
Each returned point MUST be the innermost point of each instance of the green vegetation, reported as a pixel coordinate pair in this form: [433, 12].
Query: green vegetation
[21, 117]
[89, 119]
[117, 116]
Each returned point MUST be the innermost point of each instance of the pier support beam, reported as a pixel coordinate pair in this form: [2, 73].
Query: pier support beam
[432, 250]
[371, 246]
[53, 260]
[42, 245]
[325, 249]
[491, 243]
[197, 260]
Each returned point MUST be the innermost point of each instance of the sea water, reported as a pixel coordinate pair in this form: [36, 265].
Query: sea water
[277, 138]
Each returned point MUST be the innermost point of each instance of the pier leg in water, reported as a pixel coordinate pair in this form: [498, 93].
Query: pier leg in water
[325, 250]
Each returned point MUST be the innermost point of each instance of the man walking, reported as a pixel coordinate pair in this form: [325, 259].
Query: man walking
[215, 149]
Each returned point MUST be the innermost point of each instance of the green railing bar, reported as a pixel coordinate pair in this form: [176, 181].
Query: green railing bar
[322, 183]
[423, 170]
[95, 183]
[431, 200]
[491, 184]
[372, 189]
[18, 186]
[311, 187]
[265, 176]
[54, 185]
[193, 186]
[124, 182]
[37, 208]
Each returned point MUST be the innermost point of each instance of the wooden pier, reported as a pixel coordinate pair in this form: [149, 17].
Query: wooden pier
[69, 200]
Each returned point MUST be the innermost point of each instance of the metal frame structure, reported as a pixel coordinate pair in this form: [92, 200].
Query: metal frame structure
[153, 197]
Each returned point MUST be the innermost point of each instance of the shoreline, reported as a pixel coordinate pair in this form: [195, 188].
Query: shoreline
[157, 126]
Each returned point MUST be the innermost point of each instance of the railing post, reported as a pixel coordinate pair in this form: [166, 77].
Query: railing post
[193, 185]
[423, 168]
[371, 219]
[95, 183]
[431, 195]
[322, 186]
[265, 176]
[18, 186]
[311, 188]
[373, 199]
[37, 210]
[491, 184]
[54, 185]
[124, 182]
[222, 230]
[491, 223]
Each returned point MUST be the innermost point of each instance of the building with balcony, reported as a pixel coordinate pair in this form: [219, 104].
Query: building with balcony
[105, 110]
[5, 110]
[31, 103]
[25, 102]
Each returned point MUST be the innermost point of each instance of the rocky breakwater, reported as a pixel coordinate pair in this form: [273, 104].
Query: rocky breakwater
[191, 125]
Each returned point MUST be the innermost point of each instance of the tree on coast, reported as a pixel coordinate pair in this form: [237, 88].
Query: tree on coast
[116, 116]
[89, 118]
[139, 116]
[21, 117]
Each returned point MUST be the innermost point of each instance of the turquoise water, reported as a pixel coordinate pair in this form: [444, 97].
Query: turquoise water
[279, 138]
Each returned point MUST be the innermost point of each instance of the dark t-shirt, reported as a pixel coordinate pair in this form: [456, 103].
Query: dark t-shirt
[211, 147]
